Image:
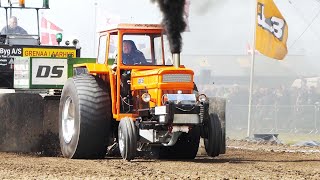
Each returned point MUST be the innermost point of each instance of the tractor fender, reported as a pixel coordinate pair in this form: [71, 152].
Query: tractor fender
[93, 68]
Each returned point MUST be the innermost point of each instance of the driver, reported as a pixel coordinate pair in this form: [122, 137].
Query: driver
[131, 55]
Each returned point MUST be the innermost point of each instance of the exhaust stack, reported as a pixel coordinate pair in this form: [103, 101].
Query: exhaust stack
[176, 59]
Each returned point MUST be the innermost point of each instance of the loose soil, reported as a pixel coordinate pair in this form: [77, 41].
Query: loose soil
[243, 160]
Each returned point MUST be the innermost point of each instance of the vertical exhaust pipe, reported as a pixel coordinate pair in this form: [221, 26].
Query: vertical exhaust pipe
[176, 59]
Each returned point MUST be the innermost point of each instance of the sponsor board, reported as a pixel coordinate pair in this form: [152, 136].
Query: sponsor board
[7, 54]
[52, 52]
[21, 72]
[49, 71]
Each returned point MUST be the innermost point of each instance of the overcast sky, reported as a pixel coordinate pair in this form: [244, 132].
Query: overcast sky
[217, 26]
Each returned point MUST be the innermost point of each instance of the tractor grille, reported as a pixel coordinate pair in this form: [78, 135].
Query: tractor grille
[177, 78]
[175, 91]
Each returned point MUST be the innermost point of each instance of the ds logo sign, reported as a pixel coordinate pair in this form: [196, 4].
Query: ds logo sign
[48, 71]
[51, 72]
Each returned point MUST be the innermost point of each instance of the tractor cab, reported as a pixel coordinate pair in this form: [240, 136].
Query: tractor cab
[149, 43]
[137, 54]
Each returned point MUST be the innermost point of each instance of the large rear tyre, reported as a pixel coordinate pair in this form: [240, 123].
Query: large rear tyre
[127, 138]
[84, 117]
[186, 146]
[213, 141]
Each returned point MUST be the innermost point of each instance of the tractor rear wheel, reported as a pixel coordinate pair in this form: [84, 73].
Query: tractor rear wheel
[213, 140]
[127, 137]
[84, 117]
[186, 146]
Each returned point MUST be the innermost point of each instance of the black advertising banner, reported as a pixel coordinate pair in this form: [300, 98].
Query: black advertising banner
[6, 56]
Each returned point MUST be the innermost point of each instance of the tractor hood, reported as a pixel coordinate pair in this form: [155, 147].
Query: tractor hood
[162, 77]
[161, 70]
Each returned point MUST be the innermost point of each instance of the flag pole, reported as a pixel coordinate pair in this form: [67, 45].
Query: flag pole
[252, 70]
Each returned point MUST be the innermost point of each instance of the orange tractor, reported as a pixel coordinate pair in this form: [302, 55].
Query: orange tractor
[150, 106]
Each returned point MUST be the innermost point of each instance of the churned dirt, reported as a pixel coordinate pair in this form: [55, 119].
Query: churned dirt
[243, 160]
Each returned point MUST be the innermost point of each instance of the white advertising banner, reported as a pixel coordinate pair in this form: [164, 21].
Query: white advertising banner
[21, 72]
[47, 71]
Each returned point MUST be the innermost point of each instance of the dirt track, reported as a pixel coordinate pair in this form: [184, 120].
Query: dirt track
[260, 162]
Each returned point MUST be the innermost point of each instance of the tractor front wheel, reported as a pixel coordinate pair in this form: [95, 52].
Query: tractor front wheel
[213, 139]
[127, 139]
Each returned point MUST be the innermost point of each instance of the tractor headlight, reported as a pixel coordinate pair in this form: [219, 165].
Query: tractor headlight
[146, 97]
[202, 98]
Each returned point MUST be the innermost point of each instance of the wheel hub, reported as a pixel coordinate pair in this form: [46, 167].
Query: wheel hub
[68, 120]
[121, 141]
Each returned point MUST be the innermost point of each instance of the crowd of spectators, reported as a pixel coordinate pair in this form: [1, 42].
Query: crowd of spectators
[287, 106]
[239, 95]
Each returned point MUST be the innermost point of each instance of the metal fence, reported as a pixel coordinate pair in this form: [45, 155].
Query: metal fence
[274, 118]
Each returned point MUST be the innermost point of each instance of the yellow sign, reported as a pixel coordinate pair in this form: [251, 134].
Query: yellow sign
[271, 30]
[48, 52]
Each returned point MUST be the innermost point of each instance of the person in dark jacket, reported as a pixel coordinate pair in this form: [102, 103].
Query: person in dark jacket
[13, 27]
[131, 55]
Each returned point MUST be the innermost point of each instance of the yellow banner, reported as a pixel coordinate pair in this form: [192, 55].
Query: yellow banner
[271, 30]
[48, 52]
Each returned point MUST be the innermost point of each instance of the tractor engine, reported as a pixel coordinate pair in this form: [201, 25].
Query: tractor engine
[167, 104]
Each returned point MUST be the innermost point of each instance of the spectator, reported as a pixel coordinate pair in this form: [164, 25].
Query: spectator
[13, 27]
